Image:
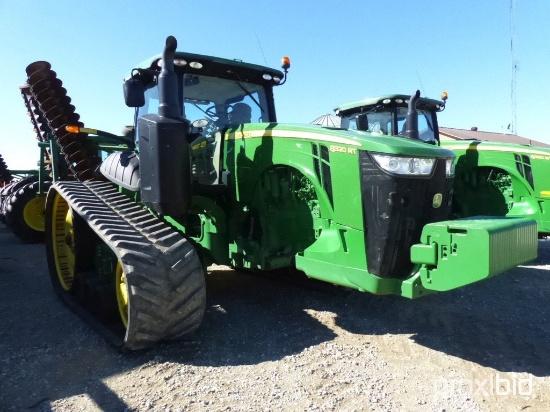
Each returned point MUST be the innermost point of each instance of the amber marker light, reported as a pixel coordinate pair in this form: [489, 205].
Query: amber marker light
[77, 129]
[72, 129]
[444, 96]
[285, 63]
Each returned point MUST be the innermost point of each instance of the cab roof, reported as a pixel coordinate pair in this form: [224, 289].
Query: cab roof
[389, 99]
[219, 67]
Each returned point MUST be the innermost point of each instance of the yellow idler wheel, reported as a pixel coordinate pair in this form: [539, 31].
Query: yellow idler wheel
[63, 243]
[122, 293]
[33, 213]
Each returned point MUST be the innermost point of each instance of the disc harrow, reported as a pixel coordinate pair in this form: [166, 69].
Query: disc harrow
[51, 111]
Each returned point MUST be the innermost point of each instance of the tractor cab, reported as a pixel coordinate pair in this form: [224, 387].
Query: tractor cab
[213, 94]
[185, 105]
[390, 116]
[210, 94]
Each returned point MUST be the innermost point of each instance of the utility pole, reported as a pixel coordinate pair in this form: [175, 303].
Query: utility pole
[513, 22]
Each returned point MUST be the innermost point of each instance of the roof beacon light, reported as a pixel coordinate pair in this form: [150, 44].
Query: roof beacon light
[444, 96]
[285, 63]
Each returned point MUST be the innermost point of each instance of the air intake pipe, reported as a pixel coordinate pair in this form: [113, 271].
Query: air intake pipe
[164, 167]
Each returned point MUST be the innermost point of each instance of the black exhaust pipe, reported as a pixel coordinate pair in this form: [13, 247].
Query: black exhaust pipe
[168, 82]
[165, 170]
[411, 123]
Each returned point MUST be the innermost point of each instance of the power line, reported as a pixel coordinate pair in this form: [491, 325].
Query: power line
[262, 50]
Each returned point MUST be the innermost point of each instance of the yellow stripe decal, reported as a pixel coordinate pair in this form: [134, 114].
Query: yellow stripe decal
[498, 149]
[545, 193]
[291, 134]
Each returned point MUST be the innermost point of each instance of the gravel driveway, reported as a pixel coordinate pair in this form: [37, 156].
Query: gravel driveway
[270, 345]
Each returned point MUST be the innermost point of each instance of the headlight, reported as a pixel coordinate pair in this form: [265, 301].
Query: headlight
[412, 166]
[450, 167]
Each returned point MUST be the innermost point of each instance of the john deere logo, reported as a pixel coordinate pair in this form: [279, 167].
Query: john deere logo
[436, 202]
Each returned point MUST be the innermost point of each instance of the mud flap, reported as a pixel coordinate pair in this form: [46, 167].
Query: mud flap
[459, 252]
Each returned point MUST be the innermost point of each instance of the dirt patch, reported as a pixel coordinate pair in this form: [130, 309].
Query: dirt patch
[276, 346]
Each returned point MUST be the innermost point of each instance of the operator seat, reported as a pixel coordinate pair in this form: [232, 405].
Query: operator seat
[241, 113]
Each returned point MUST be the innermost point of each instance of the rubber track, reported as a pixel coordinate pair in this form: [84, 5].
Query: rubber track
[165, 277]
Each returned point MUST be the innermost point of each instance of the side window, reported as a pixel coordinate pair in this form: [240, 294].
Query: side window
[151, 102]
[425, 127]
[151, 106]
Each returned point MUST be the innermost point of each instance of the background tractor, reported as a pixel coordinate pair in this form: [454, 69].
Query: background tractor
[208, 175]
[491, 178]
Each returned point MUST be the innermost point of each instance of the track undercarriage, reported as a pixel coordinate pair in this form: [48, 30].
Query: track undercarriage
[155, 288]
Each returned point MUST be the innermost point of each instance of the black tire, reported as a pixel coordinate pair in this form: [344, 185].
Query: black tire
[15, 186]
[25, 213]
[7, 191]
[3, 202]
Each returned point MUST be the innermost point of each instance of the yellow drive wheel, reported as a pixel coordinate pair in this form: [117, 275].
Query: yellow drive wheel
[122, 294]
[63, 243]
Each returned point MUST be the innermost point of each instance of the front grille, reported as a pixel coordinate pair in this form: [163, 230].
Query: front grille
[395, 209]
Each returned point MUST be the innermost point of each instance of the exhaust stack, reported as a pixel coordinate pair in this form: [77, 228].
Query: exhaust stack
[165, 170]
[411, 124]
[168, 82]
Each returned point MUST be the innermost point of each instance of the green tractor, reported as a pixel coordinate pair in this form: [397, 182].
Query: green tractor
[208, 176]
[491, 178]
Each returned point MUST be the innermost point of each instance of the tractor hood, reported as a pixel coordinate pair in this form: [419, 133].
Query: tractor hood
[339, 137]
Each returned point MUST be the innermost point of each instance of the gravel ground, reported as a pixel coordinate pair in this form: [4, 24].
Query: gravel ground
[269, 345]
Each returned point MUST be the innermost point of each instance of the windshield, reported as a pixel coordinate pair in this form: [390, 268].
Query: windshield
[383, 120]
[222, 102]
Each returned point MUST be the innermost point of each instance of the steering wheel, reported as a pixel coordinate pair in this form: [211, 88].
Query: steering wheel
[211, 111]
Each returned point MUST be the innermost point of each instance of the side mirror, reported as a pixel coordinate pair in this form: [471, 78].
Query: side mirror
[134, 92]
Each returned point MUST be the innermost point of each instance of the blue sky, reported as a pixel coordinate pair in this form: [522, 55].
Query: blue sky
[340, 51]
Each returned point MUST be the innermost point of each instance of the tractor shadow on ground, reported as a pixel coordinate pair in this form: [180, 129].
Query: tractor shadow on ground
[47, 352]
[502, 323]
[250, 319]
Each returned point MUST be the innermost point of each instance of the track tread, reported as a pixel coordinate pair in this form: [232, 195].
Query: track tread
[165, 277]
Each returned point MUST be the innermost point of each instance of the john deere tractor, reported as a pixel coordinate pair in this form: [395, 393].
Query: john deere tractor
[208, 175]
[491, 178]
